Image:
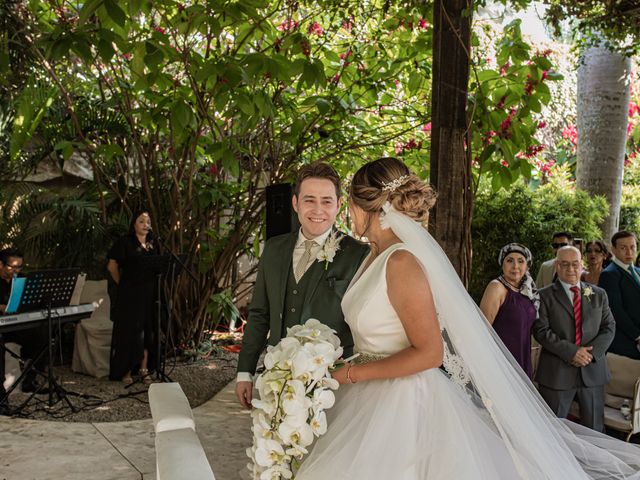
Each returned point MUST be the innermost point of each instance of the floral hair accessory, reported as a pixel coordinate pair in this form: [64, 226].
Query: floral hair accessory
[392, 185]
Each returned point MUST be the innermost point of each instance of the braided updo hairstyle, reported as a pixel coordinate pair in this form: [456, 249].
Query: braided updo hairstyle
[412, 196]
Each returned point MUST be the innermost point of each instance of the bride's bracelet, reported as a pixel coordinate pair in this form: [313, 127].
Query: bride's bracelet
[349, 379]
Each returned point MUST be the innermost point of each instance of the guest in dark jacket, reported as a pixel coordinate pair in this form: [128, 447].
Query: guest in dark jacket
[621, 280]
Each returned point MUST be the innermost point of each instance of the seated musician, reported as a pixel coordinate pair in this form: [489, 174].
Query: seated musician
[32, 340]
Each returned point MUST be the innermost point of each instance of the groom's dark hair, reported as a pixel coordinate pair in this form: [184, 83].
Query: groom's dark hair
[318, 170]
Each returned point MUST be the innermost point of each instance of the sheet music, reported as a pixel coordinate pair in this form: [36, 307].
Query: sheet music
[77, 291]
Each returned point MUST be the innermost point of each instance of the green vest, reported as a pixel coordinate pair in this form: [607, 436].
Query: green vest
[294, 299]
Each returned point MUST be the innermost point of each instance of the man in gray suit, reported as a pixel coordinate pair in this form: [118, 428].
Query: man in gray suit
[575, 327]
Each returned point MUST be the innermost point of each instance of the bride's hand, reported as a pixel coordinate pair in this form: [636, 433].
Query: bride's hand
[340, 374]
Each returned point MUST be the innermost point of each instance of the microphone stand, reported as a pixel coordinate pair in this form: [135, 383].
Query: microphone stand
[160, 365]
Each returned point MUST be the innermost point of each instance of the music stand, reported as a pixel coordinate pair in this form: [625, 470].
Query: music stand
[160, 265]
[44, 290]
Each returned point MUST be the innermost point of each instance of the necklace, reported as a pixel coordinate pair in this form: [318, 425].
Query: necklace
[513, 287]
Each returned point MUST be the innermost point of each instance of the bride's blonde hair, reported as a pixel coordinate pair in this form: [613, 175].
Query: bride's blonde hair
[389, 180]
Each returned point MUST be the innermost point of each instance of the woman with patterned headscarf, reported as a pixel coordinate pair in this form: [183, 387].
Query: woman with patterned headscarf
[510, 303]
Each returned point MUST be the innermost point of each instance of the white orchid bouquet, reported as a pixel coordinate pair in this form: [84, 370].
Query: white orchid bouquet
[294, 391]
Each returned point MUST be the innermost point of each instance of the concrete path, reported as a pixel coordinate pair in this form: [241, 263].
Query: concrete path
[41, 450]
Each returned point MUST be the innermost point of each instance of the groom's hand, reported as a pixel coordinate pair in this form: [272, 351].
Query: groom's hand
[244, 391]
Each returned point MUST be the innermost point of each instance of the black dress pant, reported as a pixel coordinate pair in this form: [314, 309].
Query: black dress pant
[32, 340]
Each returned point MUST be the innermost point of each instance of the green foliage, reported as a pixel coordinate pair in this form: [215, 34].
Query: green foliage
[59, 228]
[191, 108]
[507, 96]
[630, 203]
[618, 22]
[530, 217]
[222, 309]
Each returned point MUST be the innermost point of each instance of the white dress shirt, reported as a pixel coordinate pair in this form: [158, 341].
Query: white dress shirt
[567, 289]
[623, 266]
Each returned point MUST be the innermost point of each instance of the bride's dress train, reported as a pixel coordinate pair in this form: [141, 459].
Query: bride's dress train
[439, 427]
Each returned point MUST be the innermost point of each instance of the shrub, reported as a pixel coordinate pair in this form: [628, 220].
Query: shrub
[530, 217]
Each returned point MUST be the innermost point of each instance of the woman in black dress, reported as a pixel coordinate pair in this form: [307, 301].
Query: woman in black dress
[134, 315]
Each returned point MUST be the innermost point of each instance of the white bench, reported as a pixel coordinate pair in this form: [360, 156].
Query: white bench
[179, 453]
[170, 408]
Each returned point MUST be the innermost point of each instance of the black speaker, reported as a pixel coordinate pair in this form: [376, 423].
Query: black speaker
[281, 218]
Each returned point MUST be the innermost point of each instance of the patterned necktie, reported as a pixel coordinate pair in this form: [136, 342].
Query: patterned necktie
[301, 267]
[634, 274]
[577, 313]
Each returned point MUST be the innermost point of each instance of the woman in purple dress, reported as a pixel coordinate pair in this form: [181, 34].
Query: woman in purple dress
[510, 303]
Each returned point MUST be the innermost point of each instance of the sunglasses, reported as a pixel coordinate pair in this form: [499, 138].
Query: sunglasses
[559, 245]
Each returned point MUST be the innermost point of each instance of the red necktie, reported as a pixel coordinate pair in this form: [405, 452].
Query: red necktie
[577, 313]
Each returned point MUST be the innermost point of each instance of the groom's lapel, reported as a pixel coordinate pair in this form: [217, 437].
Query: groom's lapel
[285, 267]
[316, 273]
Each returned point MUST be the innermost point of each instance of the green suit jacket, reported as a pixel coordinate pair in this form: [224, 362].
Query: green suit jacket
[322, 298]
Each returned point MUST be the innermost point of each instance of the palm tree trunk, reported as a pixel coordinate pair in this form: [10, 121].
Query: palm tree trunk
[450, 170]
[603, 101]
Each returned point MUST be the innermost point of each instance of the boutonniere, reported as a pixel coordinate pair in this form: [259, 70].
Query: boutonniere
[329, 249]
[587, 292]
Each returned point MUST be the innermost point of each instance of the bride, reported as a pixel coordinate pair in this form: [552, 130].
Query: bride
[398, 415]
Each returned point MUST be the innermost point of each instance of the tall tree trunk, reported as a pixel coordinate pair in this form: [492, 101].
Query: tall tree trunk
[603, 101]
[450, 162]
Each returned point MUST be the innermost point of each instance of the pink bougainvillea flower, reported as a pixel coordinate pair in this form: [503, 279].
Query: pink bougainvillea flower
[288, 25]
[504, 163]
[411, 144]
[533, 150]
[423, 24]
[160, 30]
[570, 133]
[542, 124]
[426, 127]
[316, 28]
[306, 47]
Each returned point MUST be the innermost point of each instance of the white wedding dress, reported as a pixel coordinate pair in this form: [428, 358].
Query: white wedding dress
[483, 422]
[423, 426]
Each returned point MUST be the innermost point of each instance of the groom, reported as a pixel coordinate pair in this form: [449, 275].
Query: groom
[292, 284]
